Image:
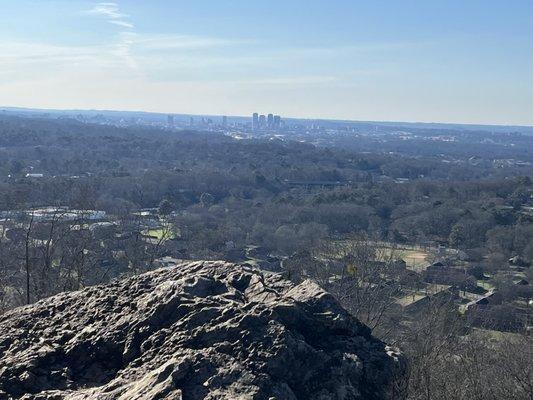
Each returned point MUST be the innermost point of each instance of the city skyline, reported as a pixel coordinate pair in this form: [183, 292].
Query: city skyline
[361, 61]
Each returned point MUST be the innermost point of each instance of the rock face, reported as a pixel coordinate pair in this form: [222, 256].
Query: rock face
[202, 330]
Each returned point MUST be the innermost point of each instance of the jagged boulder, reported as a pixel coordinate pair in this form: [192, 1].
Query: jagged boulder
[201, 330]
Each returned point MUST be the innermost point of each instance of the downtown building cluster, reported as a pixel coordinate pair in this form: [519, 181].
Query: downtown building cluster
[261, 122]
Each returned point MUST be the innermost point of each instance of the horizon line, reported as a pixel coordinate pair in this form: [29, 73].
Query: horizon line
[343, 120]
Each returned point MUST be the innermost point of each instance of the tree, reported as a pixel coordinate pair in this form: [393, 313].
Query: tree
[165, 207]
[27, 257]
[207, 200]
[362, 276]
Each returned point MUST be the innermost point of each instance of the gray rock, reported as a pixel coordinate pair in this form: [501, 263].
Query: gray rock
[201, 330]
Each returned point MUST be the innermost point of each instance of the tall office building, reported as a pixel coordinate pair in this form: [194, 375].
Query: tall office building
[255, 121]
[270, 120]
[170, 120]
[277, 121]
[262, 122]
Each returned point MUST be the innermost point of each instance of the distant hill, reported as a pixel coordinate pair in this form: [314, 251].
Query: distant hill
[161, 118]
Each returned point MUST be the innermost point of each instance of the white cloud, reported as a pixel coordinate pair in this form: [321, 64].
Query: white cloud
[111, 11]
[124, 24]
[167, 58]
[170, 42]
[122, 48]
[20, 61]
[290, 80]
[129, 50]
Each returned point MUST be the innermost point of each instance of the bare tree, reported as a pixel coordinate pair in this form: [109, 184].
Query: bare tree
[27, 257]
[361, 274]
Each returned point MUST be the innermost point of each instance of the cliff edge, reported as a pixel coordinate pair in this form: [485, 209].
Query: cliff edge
[201, 330]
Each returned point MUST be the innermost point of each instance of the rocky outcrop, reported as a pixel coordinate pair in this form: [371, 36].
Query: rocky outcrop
[201, 330]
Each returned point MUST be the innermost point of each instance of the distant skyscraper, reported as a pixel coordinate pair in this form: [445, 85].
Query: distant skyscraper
[170, 120]
[262, 121]
[270, 120]
[277, 121]
[224, 121]
[255, 121]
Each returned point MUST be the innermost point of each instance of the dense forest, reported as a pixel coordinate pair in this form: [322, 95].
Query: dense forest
[433, 254]
[262, 192]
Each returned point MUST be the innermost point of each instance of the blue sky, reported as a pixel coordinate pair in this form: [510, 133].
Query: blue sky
[465, 61]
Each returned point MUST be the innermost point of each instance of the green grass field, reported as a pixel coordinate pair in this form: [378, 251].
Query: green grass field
[415, 259]
[161, 233]
[410, 299]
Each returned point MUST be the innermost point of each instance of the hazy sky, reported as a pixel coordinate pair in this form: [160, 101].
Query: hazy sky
[403, 60]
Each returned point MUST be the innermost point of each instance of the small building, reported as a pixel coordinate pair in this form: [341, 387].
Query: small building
[448, 276]
[418, 303]
[34, 176]
[517, 261]
[500, 317]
